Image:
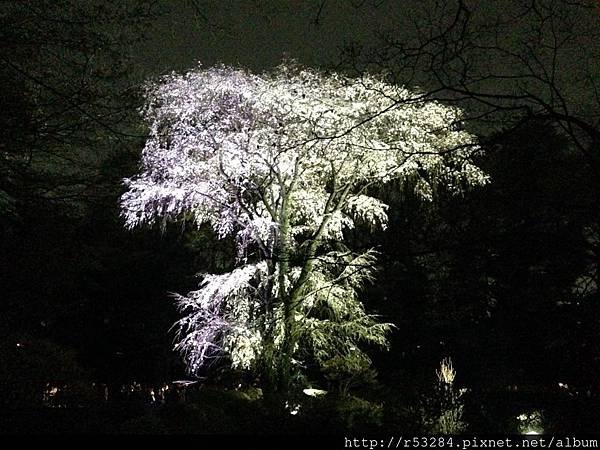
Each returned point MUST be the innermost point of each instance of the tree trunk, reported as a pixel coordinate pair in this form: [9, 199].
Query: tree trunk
[269, 363]
[287, 346]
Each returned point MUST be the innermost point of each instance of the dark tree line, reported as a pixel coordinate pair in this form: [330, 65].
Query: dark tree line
[69, 134]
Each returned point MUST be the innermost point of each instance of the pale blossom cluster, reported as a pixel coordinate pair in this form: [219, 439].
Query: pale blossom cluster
[241, 152]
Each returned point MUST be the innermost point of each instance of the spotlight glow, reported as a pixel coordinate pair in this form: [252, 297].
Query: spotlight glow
[314, 392]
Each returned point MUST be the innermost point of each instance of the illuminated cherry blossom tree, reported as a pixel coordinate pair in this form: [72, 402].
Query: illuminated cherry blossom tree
[284, 163]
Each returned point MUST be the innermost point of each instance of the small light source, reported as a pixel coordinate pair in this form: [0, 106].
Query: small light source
[294, 409]
[531, 423]
[18, 344]
[314, 392]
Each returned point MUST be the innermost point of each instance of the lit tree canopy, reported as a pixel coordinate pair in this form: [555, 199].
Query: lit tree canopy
[282, 162]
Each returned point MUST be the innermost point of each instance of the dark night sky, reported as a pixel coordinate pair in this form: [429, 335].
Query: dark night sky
[258, 34]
